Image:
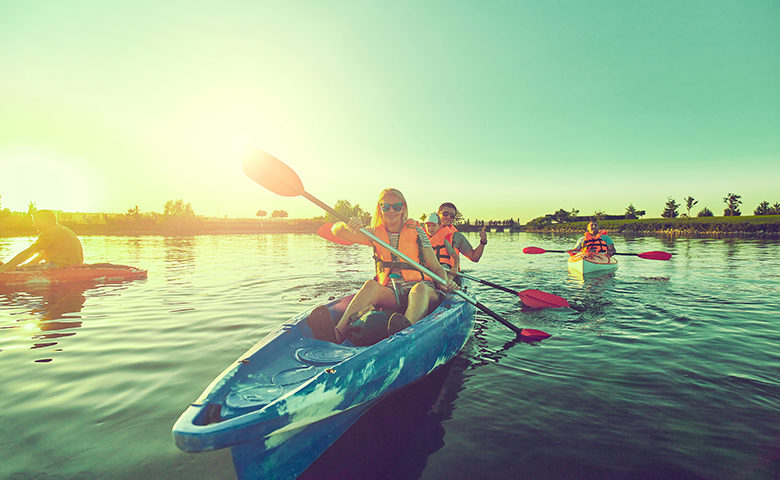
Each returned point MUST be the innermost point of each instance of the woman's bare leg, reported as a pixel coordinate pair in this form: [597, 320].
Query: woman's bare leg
[422, 299]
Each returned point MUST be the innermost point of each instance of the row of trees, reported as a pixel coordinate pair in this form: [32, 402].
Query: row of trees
[732, 201]
[274, 214]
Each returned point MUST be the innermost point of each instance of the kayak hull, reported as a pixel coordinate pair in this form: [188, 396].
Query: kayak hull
[585, 263]
[288, 398]
[96, 273]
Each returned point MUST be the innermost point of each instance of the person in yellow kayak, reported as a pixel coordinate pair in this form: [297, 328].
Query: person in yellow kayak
[56, 247]
[447, 212]
[595, 240]
[441, 242]
[397, 285]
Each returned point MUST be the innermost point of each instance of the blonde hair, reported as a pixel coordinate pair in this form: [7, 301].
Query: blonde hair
[376, 220]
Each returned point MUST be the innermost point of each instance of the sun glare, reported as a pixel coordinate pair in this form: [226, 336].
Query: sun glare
[49, 180]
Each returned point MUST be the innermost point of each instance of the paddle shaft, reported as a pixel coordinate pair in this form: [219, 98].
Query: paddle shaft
[566, 251]
[489, 284]
[416, 265]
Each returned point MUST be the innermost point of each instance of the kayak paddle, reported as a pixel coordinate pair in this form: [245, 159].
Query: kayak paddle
[279, 178]
[530, 297]
[325, 232]
[654, 255]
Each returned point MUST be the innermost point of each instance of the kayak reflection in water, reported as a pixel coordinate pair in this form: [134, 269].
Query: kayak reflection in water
[594, 240]
[397, 286]
[57, 246]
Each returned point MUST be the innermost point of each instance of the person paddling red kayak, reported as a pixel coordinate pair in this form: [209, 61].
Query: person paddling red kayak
[56, 247]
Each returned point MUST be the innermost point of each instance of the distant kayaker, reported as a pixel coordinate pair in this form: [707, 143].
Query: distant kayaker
[447, 213]
[595, 240]
[57, 246]
[441, 243]
[397, 285]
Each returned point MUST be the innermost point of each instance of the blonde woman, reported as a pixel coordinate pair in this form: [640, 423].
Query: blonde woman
[397, 285]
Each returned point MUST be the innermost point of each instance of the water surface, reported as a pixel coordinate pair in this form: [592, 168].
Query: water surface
[661, 370]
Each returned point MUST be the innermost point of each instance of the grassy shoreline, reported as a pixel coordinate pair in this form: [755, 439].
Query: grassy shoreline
[764, 226]
[759, 226]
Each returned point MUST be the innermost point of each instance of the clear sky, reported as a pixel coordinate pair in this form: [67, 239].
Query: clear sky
[506, 108]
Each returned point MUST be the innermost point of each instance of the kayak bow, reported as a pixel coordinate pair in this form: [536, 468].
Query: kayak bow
[288, 398]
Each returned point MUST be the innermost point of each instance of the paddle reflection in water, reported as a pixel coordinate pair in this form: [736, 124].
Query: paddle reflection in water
[394, 439]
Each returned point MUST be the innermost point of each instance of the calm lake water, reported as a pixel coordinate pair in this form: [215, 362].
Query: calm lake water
[662, 370]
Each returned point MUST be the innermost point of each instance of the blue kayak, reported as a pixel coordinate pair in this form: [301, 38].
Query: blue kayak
[288, 398]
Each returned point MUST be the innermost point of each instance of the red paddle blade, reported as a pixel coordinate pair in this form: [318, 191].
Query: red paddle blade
[325, 232]
[655, 255]
[273, 174]
[539, 299]
[534, 250]
[531, 334]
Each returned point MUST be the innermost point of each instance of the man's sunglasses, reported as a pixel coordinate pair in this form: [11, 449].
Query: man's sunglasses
[395, 206]
[447, 214]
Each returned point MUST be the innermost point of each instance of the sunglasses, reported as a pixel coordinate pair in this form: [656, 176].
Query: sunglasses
[447, 214]
[395, 206]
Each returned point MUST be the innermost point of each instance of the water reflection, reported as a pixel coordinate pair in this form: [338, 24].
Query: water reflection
[592, 282]
[179, 252]
[51, 311]
[395, 438]
[485, 355]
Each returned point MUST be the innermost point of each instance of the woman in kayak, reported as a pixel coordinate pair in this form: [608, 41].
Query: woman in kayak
[397, 285]
[595, 240]
[57, 246]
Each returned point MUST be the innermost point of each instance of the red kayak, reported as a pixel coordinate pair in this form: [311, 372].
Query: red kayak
[95, 273]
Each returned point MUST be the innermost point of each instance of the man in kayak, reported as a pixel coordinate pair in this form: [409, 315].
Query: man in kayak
[595, 240]
[57, 246]
[447, 213]
[397, 285]
[441, 243]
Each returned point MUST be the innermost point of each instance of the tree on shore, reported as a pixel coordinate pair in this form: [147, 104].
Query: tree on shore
[670, 210]
[31, 208]
[561, 216]
[279, 214]
[705, 212]
[178, 209]
[261, 213]
[345, 208]
[764, 208]
[632, 213]
[134, 212]
[732, 201]
[599, 215]
[689, 203]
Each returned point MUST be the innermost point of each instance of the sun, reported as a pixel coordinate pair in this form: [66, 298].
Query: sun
[50, 180]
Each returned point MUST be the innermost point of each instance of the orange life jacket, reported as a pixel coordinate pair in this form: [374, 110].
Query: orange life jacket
[408, 244]
[437, 243]
[594, 243]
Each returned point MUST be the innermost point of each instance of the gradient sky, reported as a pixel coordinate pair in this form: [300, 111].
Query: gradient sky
[506, 108]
